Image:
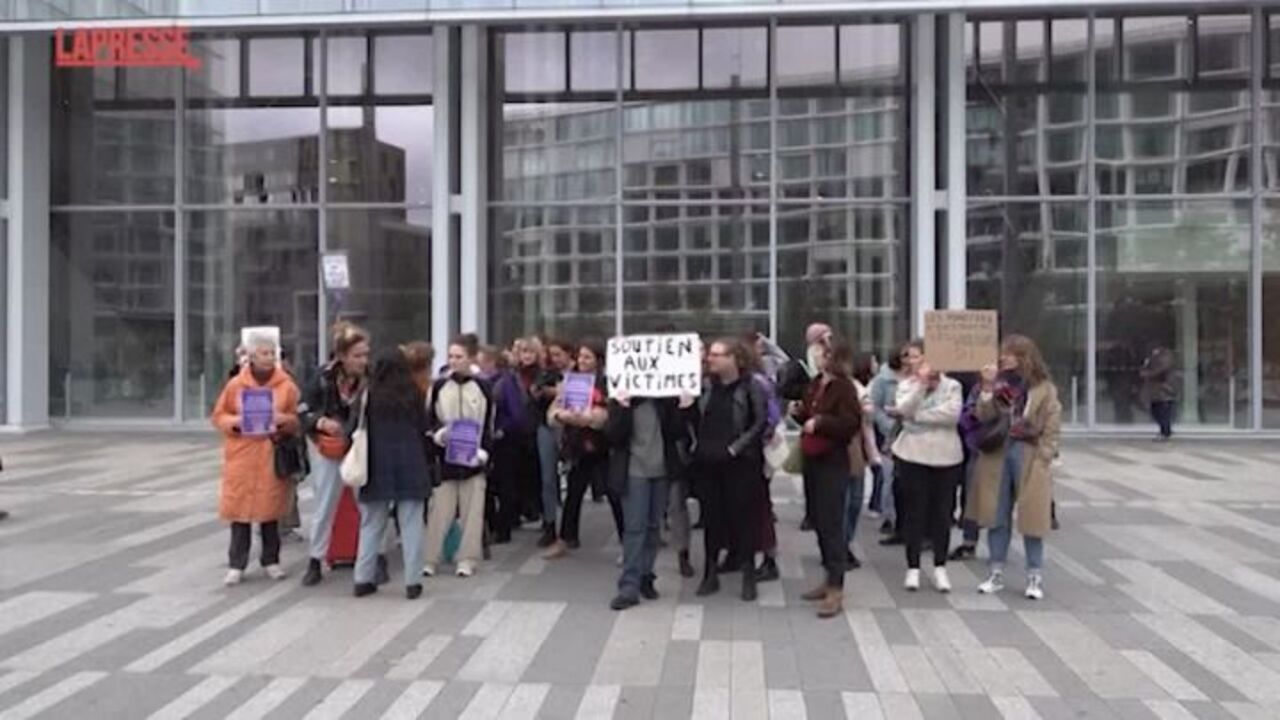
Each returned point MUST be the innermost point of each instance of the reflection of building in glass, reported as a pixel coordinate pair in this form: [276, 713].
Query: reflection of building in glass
[696, 243]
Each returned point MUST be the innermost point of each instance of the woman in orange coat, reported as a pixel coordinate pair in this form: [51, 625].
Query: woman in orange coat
[257, 405]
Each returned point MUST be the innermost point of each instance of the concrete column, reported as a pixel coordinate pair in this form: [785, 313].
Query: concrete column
[957, 146]
[443, 311]
[923, 172]
[27, 308]
[1189, 345]
[474, 249]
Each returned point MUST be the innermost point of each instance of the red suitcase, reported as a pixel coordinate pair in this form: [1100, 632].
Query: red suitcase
[346, 531]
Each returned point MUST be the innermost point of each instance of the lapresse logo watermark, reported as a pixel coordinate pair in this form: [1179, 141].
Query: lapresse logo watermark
[124, 47]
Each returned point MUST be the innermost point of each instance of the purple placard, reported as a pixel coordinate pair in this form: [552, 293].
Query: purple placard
[577, 391]
[464, 441]
[257, 411]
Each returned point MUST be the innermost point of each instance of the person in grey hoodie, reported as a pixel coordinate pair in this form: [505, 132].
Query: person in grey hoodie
[884, 390]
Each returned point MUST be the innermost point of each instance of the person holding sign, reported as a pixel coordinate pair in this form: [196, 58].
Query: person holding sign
[652, 441]
[257, 406]
[729, 463]
[1021, 415]
[586, 448]
[460, 417]
[831, 416]
[930, 461]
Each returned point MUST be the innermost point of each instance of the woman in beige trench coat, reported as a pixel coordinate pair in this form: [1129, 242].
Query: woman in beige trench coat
[1019, 472]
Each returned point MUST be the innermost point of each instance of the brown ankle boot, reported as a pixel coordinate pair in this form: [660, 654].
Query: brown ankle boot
[816, 594]
[832, 605]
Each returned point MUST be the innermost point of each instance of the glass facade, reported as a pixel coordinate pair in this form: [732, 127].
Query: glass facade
[1121, 176]
[742, 201]
[188, 204]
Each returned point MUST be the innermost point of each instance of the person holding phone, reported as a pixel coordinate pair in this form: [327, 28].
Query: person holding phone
[930, 460]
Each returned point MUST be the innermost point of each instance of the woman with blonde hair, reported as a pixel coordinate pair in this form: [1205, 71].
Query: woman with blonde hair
[1021, 420]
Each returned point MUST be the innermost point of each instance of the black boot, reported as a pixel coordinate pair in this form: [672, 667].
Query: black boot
[768, 570]
[383, 576]
[413, 592]
[749, 581]
[314, 574]
[686, 567]
[548, 535]
[710, 581]
[363, 589]
[647, 589]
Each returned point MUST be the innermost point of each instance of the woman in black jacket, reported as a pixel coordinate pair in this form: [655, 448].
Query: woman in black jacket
[396, 423]
[832, 417]
[651, 442]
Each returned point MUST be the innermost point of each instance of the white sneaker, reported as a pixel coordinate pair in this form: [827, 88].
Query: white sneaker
[993, 584]
[233, 577]
[428, 570]
[466, 570]
[1035, 587]
[912, 581]
[275, 572]
[941, 582]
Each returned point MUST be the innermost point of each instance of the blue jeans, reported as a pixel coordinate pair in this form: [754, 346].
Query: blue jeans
[642, 509]
[888, 507]
[854, 491]
[1000, 534]
[326, 482]
[549, 469]
[373, 526]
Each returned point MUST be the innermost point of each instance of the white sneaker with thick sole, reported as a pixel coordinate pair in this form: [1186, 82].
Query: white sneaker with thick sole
[233, 577]
[275, 572]
[993, 584]
[466, 570]
[941, 582]
[1035, 587]
[428, 570]
[912, 581]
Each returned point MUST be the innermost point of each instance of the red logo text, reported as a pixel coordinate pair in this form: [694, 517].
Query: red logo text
[124, 47]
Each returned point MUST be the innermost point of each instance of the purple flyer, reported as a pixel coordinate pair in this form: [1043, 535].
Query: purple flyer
[257, 411]
[577, 391]
[464, 441]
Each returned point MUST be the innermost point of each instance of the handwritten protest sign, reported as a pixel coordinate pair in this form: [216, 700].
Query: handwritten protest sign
[961, 340]
[463, 443]
[655, 366]
[257, 411]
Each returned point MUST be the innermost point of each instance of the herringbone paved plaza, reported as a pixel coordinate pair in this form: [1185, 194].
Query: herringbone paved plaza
[1163, 601]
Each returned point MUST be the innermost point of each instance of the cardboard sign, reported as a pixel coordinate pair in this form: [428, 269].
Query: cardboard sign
[337, 271]
[463, 443]
[257, 411]
[961, 340]
[654, 366]
[577, 391]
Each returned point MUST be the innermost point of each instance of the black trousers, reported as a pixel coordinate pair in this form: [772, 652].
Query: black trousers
[731, 498]
[1162, 413]
[928, 495]
[513, 464]
[241, 539]
[587, 472]
[825, 480]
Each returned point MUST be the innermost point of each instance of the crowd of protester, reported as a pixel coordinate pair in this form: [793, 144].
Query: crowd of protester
[940, 451]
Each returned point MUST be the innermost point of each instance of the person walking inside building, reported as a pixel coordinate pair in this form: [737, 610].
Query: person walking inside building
[398, 473]
[930, 462]
[257, 407]
[585, 450]
[729, 463]
[329, 411]
[831, 419]
[1158, 376]
[651, 441]
[1020, 397]
[461, 406]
